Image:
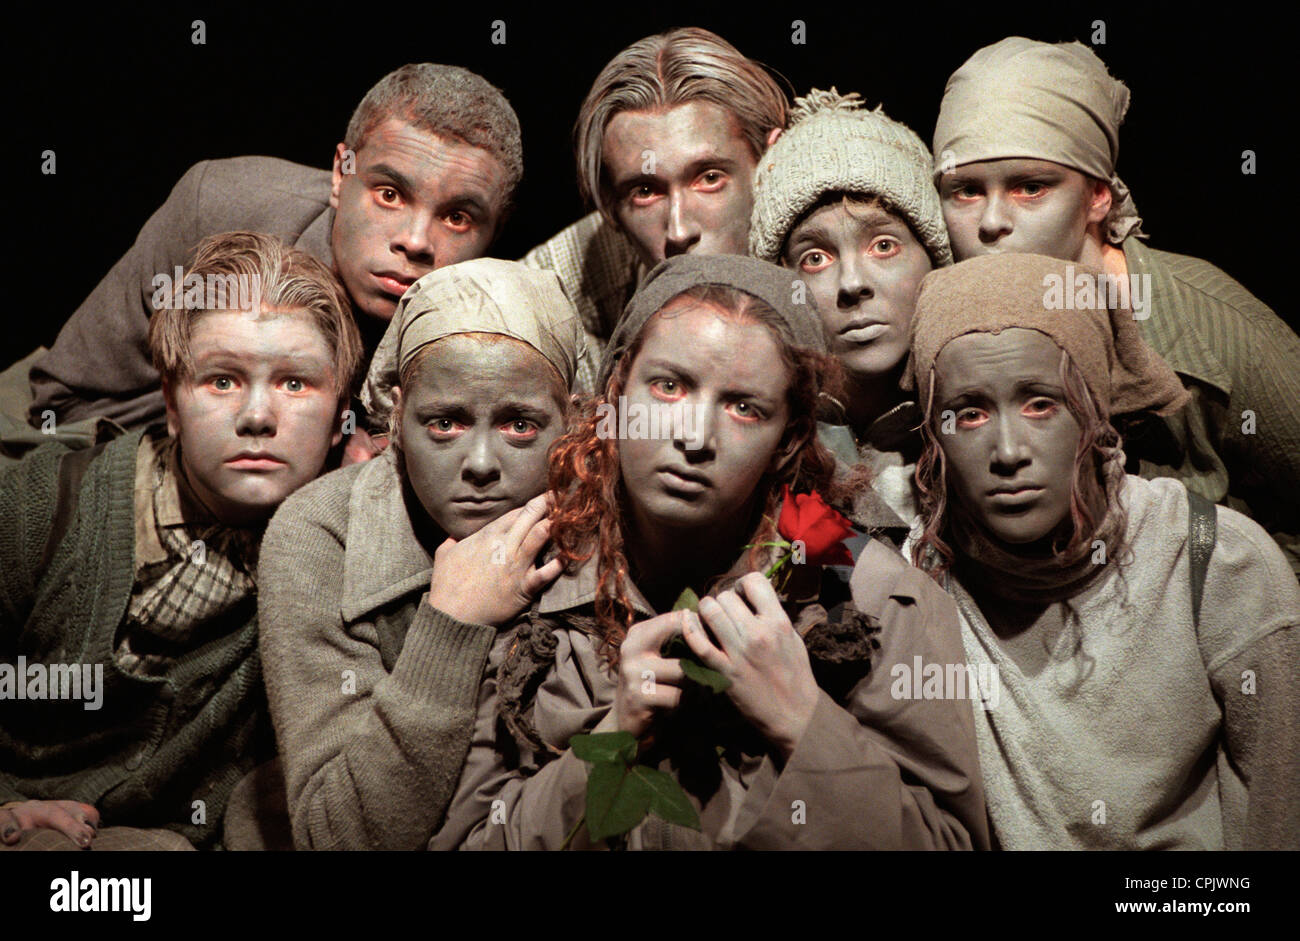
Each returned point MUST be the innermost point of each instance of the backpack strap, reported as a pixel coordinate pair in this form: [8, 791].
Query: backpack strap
[72, 468]
[1201, 535]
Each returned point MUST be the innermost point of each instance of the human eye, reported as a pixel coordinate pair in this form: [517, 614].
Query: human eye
[886, 246]
[221, 383]
[1032, 189]
[971, 417]
[711, 180]
[444, 429]
[961, 191]
[642, 194]
[746, 410]
[387, 195]
[668, 389]
[294, 384]
[459, 220]
[815, 260]
[521, 429]
[1041, 406]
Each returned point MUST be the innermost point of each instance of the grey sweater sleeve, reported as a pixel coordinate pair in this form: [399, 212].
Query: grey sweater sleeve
[371, 759]
[100, 365]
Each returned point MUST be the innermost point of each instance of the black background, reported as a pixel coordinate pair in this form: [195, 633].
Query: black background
[128, 103]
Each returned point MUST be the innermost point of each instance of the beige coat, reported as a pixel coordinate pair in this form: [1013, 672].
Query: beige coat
[872, 772]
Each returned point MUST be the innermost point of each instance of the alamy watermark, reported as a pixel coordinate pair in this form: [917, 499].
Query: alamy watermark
[1087, 291]
[920, 680]
[655, 421]
[213, 292]
[53, 681]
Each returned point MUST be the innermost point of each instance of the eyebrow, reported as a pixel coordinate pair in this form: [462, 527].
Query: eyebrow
[698, 164]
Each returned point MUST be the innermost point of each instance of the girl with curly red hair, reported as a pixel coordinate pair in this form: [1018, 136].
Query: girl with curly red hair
[809, 745]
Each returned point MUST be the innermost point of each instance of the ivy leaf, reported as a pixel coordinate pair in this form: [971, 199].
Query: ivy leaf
[604, 747]
[617, 800]
[667, 799]
[688, 599]
[710, 679]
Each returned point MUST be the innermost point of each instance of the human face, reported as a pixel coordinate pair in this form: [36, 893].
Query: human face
[681, 180]
[1021, 206]
[1011, 458]
[476, 423]
[416, 202]
[864, 270]
[259, 414]
[731, 377]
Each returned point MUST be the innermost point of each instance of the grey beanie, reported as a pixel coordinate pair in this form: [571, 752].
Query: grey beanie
[832, 146]
[775, 286]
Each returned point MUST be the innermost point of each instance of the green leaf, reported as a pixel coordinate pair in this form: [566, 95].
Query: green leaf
[712, 679]
[687, 599]
[667, 799]
[605, 747]
[617, 801]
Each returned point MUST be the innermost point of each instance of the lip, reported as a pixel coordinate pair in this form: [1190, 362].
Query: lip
[676, 478]
[1015, 495]
[863, 331]
[395, 283]
[472, 502]
[254, 461]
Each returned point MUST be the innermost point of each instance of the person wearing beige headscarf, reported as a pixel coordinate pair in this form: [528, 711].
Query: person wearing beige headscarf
[1026, 149]
[1145, 641]
[384, 584]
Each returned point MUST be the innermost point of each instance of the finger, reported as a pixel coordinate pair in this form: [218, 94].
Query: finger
[539, 578]
[661, 670]
[663, 697]
[741, 614]
[702, 647]
[762, 597]
[721, 623]
[87, 813]
[53, 817]
[535, 538]
[531, 513]
[650, 635]
[10, 830]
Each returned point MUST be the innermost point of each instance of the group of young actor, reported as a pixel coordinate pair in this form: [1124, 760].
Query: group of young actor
[348, 560]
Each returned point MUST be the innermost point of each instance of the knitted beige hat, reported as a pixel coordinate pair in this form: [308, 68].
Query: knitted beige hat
[832, 146]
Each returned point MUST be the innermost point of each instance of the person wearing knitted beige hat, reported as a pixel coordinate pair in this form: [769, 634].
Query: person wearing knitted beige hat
[1121, 615]
[844, 199]
[1026, 148]
[390, 577]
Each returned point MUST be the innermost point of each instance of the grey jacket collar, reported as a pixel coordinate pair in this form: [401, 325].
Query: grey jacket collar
[384, 559]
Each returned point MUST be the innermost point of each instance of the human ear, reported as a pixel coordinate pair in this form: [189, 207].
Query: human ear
[336, 177]
[772, 136]
[169, 398]
[791, 443]
[1099, 201]
[339, 418]
[395, 418]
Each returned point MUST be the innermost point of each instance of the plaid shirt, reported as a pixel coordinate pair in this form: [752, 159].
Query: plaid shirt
[599, 271]
[190, 571]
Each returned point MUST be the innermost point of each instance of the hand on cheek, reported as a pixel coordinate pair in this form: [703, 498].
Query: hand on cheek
[489, 577]
[771, 679]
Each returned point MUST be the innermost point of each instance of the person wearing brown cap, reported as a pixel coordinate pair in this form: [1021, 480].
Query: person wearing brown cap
[811, 718]
[1025, 148]
[1146, 640]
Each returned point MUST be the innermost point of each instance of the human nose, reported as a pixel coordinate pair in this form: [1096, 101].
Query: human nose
[256, 416]
[995, 220]
[414, 237]
[683, 232]
[481, 465]
[1010, 449]
[854, 283]
[694, 427]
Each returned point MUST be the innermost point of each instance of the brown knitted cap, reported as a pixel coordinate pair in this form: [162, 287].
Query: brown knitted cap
[1066, 301]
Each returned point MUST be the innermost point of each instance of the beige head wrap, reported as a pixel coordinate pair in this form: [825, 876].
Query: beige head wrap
[1044, 101]
[989, 293]
[486, 295]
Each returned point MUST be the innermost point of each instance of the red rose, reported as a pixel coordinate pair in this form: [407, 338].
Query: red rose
[805, 517]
